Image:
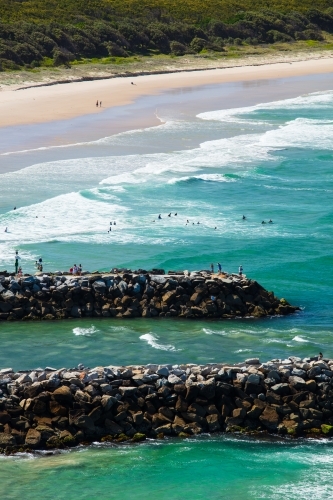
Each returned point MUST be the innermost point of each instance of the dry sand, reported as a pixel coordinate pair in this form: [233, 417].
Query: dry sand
[69, 100]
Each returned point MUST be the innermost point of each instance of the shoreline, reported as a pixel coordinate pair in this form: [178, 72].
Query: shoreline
[51, 409]
[62, 101]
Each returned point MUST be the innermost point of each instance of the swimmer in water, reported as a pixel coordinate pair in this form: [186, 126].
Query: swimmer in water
[160, 216]
[6, 230]
[243, 217]
[188, 221]
[270, 221]
[169, 214]
[263, 222]
[176, 213]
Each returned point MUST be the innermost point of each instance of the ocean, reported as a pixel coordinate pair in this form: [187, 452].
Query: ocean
[214, 157]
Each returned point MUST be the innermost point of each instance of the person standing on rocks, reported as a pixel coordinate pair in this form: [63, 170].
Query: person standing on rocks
[240, 270]
[17, 258]
[219, 267]
[212, 267]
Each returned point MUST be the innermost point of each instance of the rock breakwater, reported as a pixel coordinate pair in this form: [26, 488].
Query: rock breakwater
[49, 408]
[136, 294]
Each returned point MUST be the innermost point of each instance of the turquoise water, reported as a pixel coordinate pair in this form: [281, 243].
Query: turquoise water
[266, 161]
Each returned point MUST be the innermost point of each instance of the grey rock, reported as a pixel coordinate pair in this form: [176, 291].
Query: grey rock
[163, 371]
[173, 379]
[273, 374]
[122, 286]
[107, 402]
[253, 379]
[252, 361]
[298, 372]
[5, 371]
[297, 382]
[128, 391]
[8, 295]
[281, 389]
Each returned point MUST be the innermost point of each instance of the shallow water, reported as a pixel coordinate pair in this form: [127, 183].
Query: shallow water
[271, 160]
[223, 467]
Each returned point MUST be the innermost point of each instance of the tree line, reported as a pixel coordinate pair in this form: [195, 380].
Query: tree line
[59, 33]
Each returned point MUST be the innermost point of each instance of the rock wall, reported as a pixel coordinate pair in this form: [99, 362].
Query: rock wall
[131, 295]
[49, 408]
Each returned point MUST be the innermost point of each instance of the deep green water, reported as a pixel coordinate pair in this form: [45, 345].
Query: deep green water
[267, 161]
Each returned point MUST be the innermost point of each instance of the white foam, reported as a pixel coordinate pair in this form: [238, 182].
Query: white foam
[153, 342]
[313, 101]
[298, 338]
[86, 332]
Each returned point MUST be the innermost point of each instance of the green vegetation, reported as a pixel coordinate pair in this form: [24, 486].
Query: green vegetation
[44, 33]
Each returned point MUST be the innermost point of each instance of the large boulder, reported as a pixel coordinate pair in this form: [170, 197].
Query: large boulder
[33, 438]
[269, 418]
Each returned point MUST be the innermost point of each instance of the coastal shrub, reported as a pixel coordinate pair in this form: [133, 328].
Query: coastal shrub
[115, 50]
[177, 48]
[198, 44]
[274, 36]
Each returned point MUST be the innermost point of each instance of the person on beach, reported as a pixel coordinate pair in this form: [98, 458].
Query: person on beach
[79, 270]
[212, 267]
[219, 267]
[132, 83]
[100, 104]
[240, 270]
[71, 271]
[17, 258]
[96, 104]
[19, 272]
[75, 270]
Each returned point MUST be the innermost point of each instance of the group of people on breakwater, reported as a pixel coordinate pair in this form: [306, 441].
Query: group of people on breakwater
[129, 294]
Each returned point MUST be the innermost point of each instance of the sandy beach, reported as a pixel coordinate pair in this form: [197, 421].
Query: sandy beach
[68, 100]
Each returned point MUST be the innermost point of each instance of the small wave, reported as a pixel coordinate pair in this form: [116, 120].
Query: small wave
[152, 341]
[298, 338]
[86, 332]
[204, 177]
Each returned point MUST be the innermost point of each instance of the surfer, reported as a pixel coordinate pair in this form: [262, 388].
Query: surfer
[263, 222]
[270, 221]
[159, 216]
[243, 217]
